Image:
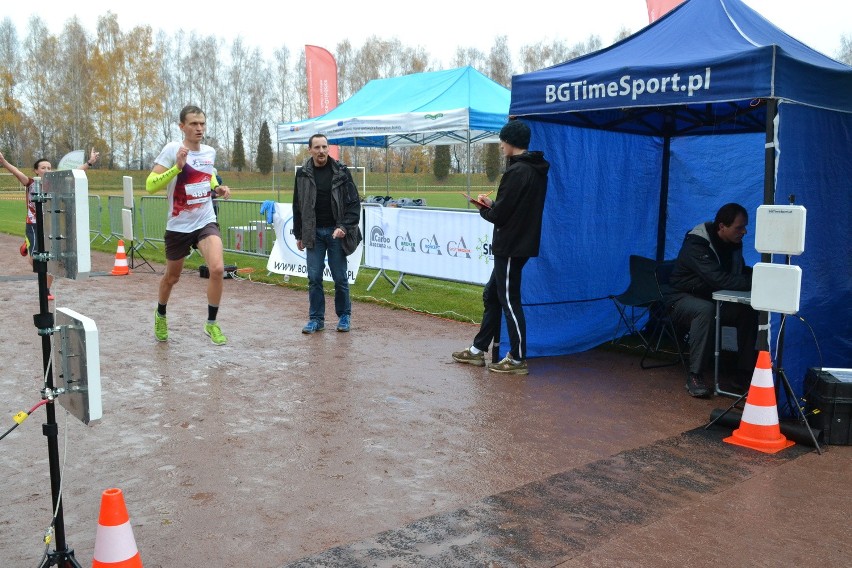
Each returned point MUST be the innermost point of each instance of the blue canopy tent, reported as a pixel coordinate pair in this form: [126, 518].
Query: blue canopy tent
[441, 107]
[710, 104]
[457, 106]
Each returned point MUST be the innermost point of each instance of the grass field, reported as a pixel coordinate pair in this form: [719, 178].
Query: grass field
[438, 297]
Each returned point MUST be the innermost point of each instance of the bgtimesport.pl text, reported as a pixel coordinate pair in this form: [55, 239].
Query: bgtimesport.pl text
[581, 90]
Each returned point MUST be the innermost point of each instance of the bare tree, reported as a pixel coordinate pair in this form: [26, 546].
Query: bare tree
[845, 52]
[623, 33]
[282, 91]
[542, 54]
[76, 130]
[42, 88]
[11, 118]
[143, 63]
[470, 56]
[344, 57]
[301, 75]
[169, 82]
[237, 81]
[500, 62]
[110, 72]
[257, 93]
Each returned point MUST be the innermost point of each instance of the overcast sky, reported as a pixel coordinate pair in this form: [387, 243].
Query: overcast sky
[440, 26]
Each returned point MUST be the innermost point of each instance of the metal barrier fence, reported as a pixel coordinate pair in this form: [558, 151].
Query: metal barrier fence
[114, 205]
[95, 212]
[243, 228]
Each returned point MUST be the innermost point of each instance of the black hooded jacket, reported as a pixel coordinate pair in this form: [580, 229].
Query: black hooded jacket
[517, 211]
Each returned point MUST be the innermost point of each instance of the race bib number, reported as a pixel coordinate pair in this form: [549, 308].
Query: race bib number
[197, 193]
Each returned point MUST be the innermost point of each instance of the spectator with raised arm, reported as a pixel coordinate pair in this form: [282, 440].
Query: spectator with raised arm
[40, 168]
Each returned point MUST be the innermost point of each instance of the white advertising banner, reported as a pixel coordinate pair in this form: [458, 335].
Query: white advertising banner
[401, 124]
[452, 245]
[286, 258]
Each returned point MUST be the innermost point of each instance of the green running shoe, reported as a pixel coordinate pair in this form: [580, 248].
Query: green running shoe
[215, 334]
[161, 327]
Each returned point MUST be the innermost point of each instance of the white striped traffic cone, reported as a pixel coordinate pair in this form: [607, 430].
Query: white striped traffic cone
[120, 268]
[759, 428]
[115, 546]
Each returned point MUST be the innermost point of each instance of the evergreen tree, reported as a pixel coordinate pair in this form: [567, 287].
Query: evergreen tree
[441, 163]
[239, 158]
[264, 150]
[492, 161]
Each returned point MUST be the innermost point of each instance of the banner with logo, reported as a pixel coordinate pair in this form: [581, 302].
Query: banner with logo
[659, 8]
[286, 258]
[321, 70]
[452, 245]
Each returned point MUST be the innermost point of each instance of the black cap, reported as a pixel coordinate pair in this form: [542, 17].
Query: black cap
[516, 133]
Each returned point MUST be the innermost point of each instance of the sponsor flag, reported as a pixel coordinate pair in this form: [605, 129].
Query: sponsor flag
[659, 8]
[321, 70]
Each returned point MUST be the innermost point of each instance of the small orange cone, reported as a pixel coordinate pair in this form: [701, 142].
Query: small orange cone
[759, 428]
[115, 546]
[121, 268]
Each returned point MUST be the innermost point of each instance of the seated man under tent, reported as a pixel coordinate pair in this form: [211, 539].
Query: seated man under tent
[711, 259]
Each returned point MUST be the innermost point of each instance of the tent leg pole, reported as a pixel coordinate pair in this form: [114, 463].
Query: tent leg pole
[664, 199]
[764, 334]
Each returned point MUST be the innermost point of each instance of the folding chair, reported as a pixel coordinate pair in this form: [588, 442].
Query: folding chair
[662, 327]
[634, 304]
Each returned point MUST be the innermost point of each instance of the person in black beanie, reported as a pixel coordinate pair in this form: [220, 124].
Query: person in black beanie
[516, 214]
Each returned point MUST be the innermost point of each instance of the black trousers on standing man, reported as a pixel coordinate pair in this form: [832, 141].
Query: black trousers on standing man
[502, 297]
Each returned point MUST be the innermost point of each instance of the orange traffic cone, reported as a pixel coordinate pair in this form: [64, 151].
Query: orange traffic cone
[759, 428]
[121, 268]
[115, 546]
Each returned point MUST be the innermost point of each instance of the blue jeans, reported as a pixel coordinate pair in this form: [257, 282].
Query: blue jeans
[339, 268]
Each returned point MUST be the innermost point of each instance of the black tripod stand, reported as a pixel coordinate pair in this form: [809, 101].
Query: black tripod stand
[788, 390]
[62, 556]
[134, 252]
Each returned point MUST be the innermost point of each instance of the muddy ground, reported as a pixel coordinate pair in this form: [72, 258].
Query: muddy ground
[281, 446]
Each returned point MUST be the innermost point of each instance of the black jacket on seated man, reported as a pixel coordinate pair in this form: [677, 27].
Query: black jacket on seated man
[711, 259]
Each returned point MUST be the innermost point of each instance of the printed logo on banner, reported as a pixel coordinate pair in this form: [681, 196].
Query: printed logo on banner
[458, 248]
[484, 249]
[378, 238]
[430, 246]
[404, 243]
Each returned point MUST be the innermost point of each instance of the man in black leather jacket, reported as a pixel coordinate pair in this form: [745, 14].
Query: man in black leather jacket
[326, 207]
[711, 259]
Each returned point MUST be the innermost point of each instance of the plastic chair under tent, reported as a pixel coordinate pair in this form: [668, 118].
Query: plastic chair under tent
[661, 326]
[634, 304]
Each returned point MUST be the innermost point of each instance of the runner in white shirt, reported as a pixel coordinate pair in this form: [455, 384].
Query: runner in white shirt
[185, 169]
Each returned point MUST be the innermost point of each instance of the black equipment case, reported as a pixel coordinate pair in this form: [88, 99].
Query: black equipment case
[828, 402]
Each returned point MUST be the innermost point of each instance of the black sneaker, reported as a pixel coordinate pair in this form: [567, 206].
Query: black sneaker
[696, 387]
